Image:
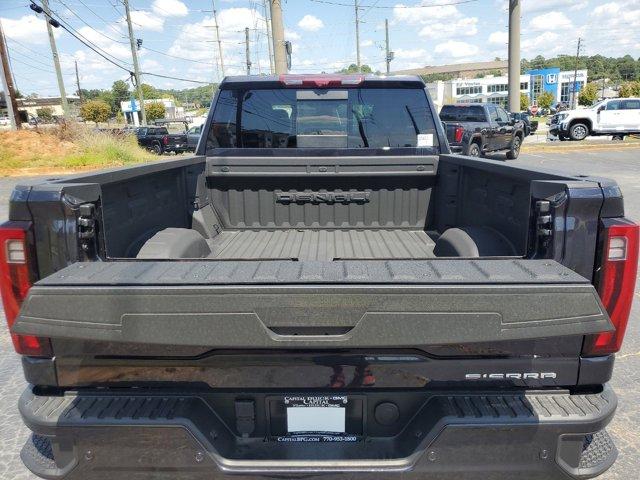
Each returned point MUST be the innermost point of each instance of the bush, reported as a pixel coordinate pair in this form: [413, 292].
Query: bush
[95, 111]
[588, 95]
[524, 102]
[629, 89]
[545, 100]
[45, 113]
[155, 111]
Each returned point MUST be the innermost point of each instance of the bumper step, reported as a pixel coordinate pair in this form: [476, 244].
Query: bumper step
[542, 434]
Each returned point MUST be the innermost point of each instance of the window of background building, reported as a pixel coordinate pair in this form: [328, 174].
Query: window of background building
[565, 91]
[524, 85]
[498, 101]
[538, 87]
[468, 90]
[498, 88]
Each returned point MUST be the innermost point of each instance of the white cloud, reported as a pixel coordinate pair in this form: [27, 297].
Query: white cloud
[28, 28]
[193, 41]
[499, 38]
[170, 8]
[366, 43]
[550, 21]
[291, 35]
[146, 21]
[410, 54]
[310, 23]
[456, 49]
[466, 27]
[418, 15]
[547, 44]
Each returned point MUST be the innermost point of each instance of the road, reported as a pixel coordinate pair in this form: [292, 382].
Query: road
[621, 165]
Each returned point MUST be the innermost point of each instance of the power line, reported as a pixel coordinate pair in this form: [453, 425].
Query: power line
[175, 78]
[390, 7]
[87, 24]
[106, 22]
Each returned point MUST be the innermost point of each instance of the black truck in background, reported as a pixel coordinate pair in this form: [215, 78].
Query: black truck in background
[476, 129]
[159, 140]
[322, 289]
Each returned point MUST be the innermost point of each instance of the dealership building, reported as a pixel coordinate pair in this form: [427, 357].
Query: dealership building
[495, 89]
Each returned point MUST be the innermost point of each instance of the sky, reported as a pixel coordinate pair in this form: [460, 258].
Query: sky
[179, 38]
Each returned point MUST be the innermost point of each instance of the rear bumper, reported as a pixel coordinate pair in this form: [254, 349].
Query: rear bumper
[541, 435]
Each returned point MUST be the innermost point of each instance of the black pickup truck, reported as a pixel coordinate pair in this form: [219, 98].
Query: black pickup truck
[159, 140]
[478, 128]
[322, 289]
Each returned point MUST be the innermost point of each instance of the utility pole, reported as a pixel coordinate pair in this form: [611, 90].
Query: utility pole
[277, 31]
[514, 55]
[136, 69]
[246, 50]
[268, 28]
[56, 59]
[387, 54]
[357, 37]
[215, 23]
[78, 82]
[7, 83]
[574, 97]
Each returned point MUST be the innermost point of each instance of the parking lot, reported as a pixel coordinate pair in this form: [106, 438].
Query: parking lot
[620, 164]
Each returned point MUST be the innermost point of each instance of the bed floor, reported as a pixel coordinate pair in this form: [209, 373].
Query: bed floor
[323, 245]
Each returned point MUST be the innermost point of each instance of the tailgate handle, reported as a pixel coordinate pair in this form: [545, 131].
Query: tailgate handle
[307, 331]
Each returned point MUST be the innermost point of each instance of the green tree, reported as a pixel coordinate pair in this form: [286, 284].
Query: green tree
[17, 93]
[524, 101]
[45, 113]
[155, 111]
[95, 111]
[588, 95]
[119, 93]
[545, 100]
[149, 92]
[353, 68]
[629, 89]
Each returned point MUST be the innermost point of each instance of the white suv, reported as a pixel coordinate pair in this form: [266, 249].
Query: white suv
[615, 116]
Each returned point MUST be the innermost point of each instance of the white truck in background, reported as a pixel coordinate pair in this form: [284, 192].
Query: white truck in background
[614, 116]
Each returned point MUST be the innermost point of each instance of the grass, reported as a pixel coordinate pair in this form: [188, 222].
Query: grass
[66, 148]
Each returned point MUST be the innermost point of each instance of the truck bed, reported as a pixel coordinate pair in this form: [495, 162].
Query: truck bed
[321, 245]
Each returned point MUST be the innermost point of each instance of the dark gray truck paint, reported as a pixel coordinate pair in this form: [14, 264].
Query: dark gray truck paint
[480, 356]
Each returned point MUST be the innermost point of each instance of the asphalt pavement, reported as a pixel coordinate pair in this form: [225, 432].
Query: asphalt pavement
[623, 165]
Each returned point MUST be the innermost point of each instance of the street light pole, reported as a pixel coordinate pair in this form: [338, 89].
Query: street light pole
[7, 83]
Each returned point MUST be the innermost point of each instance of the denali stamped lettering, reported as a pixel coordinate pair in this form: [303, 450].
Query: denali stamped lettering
[322, 197]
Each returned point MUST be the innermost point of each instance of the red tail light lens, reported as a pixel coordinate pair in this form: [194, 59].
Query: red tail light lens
[165, 139]
[615, 281]
[16, 278]
[458, 134]
[321, 81]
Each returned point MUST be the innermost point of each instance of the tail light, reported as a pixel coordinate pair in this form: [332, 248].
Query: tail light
[165, 139]
[321, 81]
[16, 277]
[459, 131]
[615, 282]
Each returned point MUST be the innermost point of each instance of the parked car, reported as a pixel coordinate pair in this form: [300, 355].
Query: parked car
[159, 140]
[615, 116]
[4, 121]
[530, 126]
[480, 128]
[193, 137]
[322, 289]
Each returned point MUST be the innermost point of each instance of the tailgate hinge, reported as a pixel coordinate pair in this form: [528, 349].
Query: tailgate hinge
[87, 226]
[544, 219]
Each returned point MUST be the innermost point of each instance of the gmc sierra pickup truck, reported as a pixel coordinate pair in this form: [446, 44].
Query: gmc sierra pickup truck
[322, 289]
